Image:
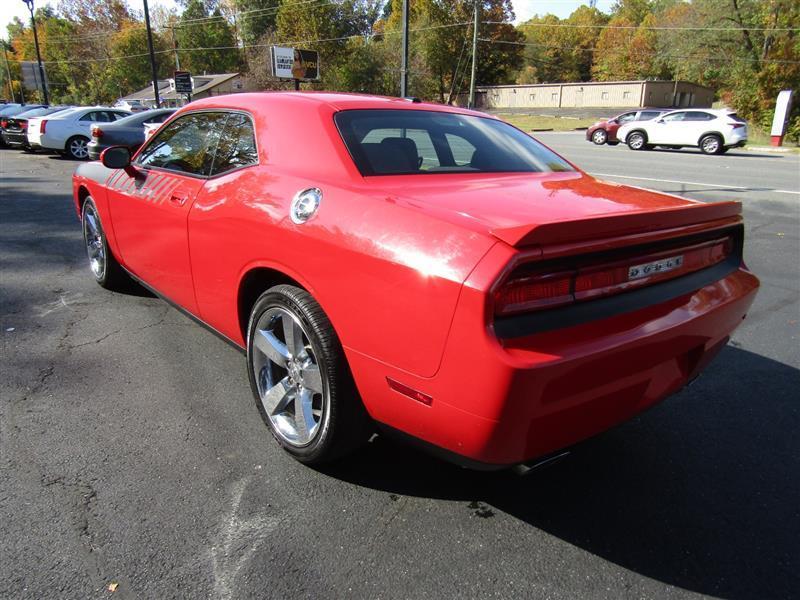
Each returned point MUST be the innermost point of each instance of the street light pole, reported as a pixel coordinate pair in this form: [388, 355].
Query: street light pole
[152, 55]
[474, 54]
[404, 63]
[29, 4]
[8, 71]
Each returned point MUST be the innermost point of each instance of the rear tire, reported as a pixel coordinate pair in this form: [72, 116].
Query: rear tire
[637, 140]
[711, 144]
[300, 379]
[77, 147]
[104, 266]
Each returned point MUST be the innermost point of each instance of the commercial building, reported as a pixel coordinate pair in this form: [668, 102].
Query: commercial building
[612, 94]
[203, 87]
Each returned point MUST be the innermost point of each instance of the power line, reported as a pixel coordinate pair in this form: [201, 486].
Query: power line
[651, 27]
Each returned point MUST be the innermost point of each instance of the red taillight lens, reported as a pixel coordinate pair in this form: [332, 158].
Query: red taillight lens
[737, 125]
[4, 123]
[22, 125]
[97, 132]
[43, 126]
[545, 290]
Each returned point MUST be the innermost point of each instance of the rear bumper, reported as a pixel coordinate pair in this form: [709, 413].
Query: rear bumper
[502, 404]
[13, 138]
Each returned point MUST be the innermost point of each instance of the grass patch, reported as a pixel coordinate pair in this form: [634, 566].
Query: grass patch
[529, 122]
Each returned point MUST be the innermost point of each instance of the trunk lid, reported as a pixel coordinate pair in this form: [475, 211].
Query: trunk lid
[524, 209]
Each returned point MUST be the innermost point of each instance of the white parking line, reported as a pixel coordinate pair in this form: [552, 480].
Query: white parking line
[713, 185]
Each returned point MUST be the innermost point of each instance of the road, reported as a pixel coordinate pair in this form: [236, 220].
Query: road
[132, 454]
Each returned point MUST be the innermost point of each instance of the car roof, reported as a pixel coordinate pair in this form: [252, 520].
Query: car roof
[333, 100]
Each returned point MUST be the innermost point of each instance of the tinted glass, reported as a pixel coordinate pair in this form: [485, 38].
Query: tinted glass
[679, 116]
[237, 147]
[698, 116]
[186, 145]
[646, 115]
[735, 117]
[626, 117]
[391, 142]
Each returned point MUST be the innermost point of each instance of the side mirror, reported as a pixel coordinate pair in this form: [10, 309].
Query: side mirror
[659, 120]
[116, 157]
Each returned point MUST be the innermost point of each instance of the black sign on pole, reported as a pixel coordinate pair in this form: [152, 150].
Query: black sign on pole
[183, 83]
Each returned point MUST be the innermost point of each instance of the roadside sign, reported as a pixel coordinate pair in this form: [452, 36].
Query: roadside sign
[783, 108]
[183, 82]
[295, 63]
[31, 78]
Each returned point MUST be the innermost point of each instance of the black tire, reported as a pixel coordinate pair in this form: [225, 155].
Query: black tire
[111, 276]
[76, 147]
[599, 137]
[711, 144]
[637, 140]
[343, 422]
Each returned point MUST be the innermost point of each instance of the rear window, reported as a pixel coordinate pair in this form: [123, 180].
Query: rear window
[735, 117]
[403, 142]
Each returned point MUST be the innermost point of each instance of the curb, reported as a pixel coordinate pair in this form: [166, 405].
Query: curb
[539, 130]
[773, 149]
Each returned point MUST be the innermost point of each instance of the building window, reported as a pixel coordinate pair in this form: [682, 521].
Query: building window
[532, 97]
[626, 95]
[604, 96]
[554, 96]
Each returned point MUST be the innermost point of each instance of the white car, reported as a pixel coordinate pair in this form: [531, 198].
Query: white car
[713, 131]
[68, 132]
[132, 105]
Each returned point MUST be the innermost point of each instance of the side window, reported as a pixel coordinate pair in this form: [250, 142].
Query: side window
[90, 116]
[699, 116]
[678, 116]
[646, 115]
[462, 150]
[159, 118]
[237, 147]
[626, 117]
[185, 145]
[116, 116]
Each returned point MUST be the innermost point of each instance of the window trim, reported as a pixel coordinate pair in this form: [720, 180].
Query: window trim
[176, 116]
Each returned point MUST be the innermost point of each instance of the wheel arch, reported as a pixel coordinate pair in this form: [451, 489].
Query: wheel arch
[637, 130]
[716, 133]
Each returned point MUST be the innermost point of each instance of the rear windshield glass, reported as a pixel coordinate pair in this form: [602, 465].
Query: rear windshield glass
[402, 142]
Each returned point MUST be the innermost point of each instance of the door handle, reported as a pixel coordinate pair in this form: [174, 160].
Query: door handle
[178, 200]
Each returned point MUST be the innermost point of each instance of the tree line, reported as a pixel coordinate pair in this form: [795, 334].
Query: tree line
[96, 50]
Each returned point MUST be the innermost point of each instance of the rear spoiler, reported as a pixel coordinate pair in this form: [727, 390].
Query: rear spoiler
[593, 228]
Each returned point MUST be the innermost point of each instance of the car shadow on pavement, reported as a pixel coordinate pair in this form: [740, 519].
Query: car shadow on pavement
[702, 492]
[736, 153]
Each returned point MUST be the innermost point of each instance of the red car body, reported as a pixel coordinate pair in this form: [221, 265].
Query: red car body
[409, 269]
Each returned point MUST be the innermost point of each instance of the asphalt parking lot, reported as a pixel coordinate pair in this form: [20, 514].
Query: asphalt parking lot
[132, 453]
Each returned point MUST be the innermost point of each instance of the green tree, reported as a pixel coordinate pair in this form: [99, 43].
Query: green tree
[207, 46]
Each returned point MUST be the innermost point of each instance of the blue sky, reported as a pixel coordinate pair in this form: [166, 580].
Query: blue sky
[524, 9]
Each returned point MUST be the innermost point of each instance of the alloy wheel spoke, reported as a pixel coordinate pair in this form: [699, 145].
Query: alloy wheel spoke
[293, 336]
[312, 378]
[277, 398]
[304, 414]
[271, 347]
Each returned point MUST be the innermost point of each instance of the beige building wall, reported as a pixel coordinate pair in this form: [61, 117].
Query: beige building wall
[613, 94]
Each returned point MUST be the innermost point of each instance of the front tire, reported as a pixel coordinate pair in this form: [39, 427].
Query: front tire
[637, 140]
[711, 144]
[300, 378]
[104, 266]
[77, 147]
[600, 137]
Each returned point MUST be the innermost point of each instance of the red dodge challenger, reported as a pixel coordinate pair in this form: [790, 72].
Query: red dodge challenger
[428, 270]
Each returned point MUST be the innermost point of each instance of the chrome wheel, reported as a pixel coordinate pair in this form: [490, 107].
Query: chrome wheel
[636, 141]
[79, 148]
[93, 237]
[710, 144]
[599, 137]
[288, 377]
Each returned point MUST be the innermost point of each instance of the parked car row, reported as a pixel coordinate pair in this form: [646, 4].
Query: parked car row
[713, 131]
[76, 132]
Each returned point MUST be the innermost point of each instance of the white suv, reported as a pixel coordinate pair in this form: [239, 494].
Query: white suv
[713, 131]
[68, 132]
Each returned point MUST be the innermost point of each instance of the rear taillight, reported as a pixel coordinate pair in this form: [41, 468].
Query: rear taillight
[4, 123]
[97, 132]
[22, 125]
[43, 126]
[737, 125]
[533, 290]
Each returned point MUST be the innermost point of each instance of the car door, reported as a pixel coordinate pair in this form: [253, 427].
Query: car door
[669, 129]
[697, 123]
[150, 203]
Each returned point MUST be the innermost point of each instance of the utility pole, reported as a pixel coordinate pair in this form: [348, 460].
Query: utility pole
[29, 4]
[175, 48]
[404, 63]
[152, 54]
[474, 54]
[8, 71]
